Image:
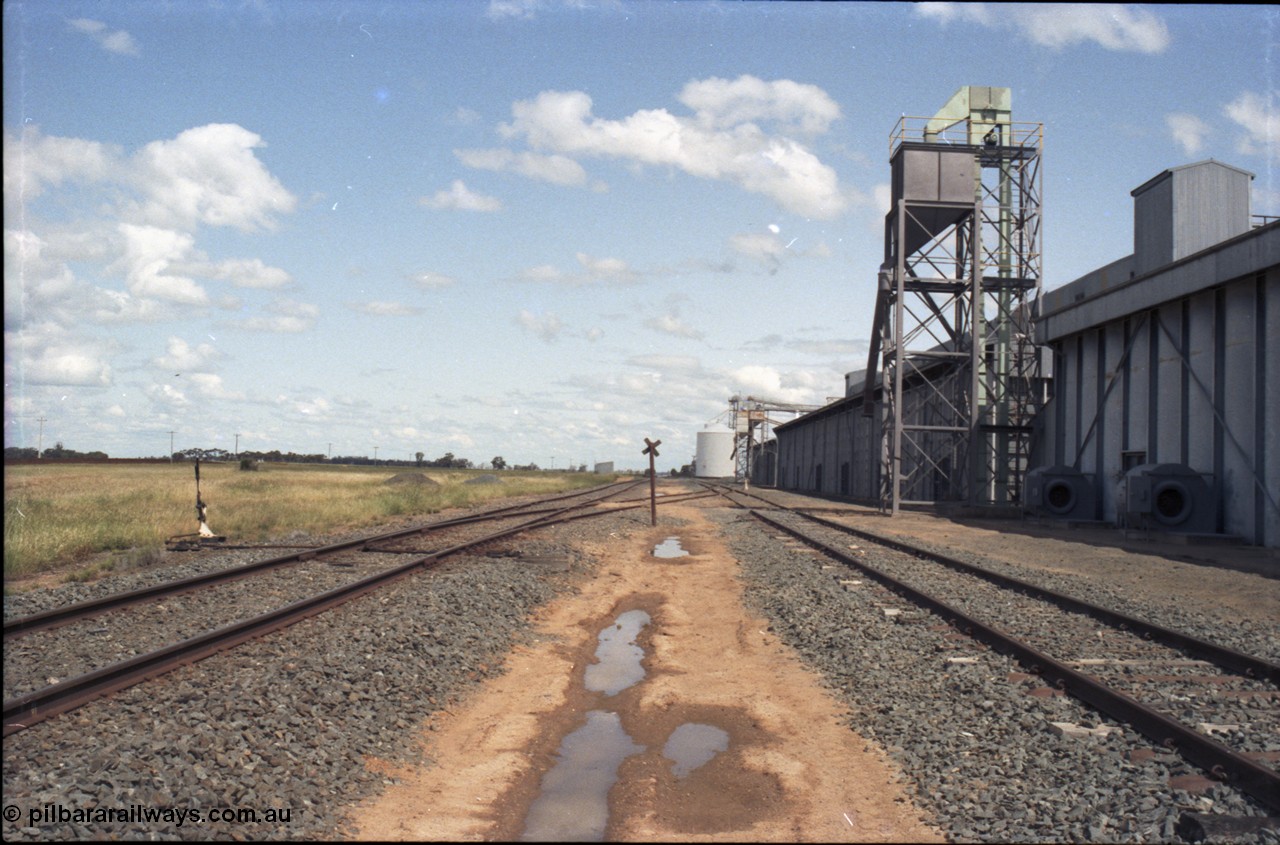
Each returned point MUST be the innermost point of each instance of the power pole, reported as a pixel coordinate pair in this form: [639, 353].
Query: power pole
[237, 447]
[171, 446]
[40, 439]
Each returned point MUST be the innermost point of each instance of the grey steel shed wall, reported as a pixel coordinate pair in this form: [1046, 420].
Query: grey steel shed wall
[1152, 227]
[1195, 381]
[835, 452]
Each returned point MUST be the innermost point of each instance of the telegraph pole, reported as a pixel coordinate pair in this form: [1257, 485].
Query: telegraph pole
[171, 445]
[40, 439]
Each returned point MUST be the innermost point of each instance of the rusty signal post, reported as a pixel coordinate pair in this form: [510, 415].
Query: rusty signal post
[651, 449]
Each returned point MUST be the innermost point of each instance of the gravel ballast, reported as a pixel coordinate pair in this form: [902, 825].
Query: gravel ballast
[980, 753]
[288, 722]
[299, 721]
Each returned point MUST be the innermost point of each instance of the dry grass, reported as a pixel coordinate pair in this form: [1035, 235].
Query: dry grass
[58, 515]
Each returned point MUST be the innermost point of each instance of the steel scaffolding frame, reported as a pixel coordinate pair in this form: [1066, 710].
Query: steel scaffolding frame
[952, 331]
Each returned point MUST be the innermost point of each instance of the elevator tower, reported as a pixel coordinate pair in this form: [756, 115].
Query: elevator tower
[952, 327]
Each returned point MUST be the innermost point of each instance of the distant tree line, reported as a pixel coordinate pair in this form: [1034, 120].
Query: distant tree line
[58, 452]
[446, 461]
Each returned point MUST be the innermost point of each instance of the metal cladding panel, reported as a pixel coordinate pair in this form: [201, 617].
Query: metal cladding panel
[1239, 350]
[1090, 392]
[1200, 351]
[833, 441]
[933, 173]
[1153, 226]
[714, 455]
[1074, 309]
[1140, 410]
[1210, 205]
[986, 97]
[1168, 398]
[1115, 419]
[1269, 442]
[1186, 209]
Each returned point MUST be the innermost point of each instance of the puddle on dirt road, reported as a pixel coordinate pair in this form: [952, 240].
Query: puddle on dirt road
[692, 745]
[619, 657]
[669, 548]
[574, 803]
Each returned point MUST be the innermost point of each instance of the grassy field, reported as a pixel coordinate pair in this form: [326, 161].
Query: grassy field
[57, 516]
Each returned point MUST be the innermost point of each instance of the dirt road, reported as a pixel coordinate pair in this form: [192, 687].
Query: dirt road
[791, 769]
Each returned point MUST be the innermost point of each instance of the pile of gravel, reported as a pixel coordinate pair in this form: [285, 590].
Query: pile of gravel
[416, 478]
[979, 752]
[290, 721]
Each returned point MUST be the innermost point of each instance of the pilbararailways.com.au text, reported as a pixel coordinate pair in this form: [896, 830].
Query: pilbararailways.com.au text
[141, 814]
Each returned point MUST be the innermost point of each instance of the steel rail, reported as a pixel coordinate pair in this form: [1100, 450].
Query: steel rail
[1250, 777]
[93, 607]
[26, 710]
[1227, 658]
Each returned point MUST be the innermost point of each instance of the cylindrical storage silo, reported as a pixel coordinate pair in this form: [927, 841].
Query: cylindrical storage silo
[714, 457]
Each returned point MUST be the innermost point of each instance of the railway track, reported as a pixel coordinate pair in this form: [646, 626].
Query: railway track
[295, 717]
[384, 541]
[1215, 706]
[58, 696]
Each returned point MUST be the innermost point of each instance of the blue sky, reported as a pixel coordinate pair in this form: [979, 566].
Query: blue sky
[541, 230]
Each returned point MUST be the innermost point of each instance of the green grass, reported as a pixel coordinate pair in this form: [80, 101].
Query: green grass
[58, 515]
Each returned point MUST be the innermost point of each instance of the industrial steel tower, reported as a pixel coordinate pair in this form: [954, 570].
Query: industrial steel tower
[752, 414]
[952, 330]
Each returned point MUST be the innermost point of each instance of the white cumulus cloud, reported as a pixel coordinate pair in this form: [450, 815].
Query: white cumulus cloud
[671, 324]
[283, 316]
[180, 356]
[209, 175]
[1113, 26]
[34, 162]
[546, 327]
[380, 308]
[113, 41]
[556, 169]
[149, 255]
[428, 280]
[1188, 131]
[724, 139]
[1258, 116]
[68, 366]
[769, 383]
[459, 196]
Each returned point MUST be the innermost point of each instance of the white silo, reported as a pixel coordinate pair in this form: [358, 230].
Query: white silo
[714, 456]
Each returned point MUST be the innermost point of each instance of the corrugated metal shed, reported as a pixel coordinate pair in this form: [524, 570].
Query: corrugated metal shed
[1177, 363]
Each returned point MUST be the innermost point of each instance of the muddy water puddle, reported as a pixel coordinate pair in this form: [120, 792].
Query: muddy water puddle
[620, 660]
[573, 801]
[669, 548]
[693, 745]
